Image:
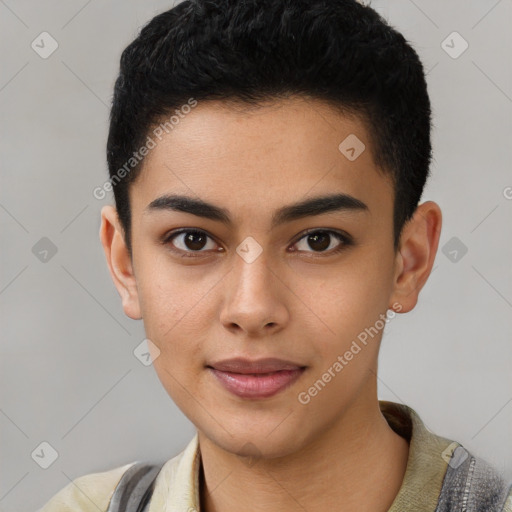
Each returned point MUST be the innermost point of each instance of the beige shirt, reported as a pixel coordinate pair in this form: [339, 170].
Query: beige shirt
[177, 485]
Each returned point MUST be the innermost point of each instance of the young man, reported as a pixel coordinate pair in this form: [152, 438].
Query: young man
[267, 159]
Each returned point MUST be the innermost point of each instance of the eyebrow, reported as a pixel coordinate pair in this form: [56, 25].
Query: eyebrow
[309, 207]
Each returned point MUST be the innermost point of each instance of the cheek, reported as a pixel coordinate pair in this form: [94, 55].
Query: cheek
[175, 308]
[173, 325]
[167, 297]
[183, 386]
[349, 301]
[348, 316]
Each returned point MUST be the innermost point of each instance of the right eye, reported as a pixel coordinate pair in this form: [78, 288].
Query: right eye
[189, 241]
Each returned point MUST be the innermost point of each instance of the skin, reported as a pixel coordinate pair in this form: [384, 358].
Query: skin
[274, 454]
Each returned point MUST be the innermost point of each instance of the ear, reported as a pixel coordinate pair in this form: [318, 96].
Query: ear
[418, 246]
[119, 261]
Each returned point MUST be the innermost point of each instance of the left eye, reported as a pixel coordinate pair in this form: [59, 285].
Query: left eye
[322, 241]
[191, 241]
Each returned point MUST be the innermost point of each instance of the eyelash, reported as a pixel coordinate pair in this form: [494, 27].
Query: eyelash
[345, 240]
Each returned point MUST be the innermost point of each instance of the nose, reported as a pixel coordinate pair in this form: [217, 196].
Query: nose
[255, 298]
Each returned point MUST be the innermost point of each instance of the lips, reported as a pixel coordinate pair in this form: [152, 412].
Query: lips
[253, 379]
[268, 365]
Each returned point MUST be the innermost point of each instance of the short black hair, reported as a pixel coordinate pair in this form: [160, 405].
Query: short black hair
[255, 51]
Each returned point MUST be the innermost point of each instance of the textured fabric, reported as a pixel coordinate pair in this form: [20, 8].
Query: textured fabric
[177, 485]
[472, 485]
[508, 503]
[426, 466]
[135, 489]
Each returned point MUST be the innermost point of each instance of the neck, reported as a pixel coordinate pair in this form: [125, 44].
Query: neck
[357, 464]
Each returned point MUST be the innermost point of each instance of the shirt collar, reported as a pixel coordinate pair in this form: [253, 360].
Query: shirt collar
[426, 463]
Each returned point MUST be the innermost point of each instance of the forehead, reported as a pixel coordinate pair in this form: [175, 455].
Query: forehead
[261, 158]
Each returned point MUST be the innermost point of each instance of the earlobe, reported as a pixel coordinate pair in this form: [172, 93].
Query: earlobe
[415, 258]
[119, 261]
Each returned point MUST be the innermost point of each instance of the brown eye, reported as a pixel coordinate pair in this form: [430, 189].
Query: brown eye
[322, 241]
[190, 241]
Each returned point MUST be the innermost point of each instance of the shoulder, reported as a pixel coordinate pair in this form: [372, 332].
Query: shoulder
[442, 472]
[474, 484]
[91, 492]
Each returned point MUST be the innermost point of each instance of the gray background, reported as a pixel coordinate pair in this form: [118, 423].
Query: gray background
[68, 373]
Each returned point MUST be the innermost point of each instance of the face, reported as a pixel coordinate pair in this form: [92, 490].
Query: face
[258, 277]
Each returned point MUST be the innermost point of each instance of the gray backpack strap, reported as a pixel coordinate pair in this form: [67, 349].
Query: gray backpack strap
[471, 485]
[134, 490]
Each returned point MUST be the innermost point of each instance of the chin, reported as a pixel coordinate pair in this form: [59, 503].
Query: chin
[254, 440]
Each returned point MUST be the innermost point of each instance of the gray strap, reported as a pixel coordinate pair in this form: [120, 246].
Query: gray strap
[471, 485]
[133, 492]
